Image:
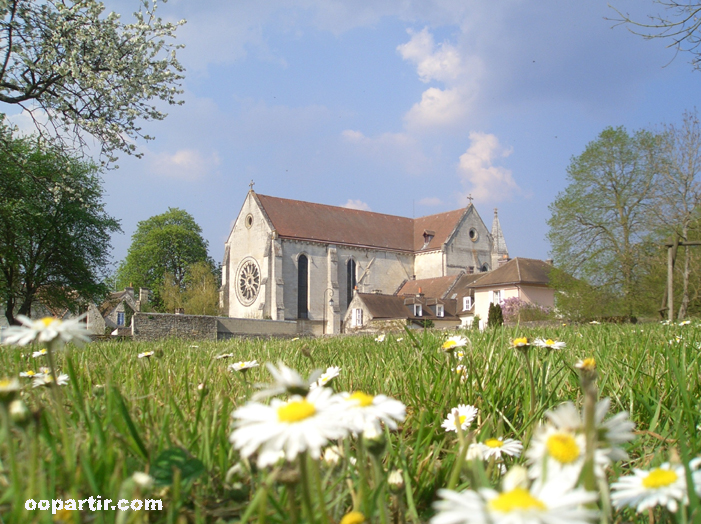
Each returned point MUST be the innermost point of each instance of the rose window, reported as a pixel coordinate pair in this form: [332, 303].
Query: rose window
[248, 282]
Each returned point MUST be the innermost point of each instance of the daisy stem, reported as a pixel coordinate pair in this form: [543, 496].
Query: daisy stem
[292, 504]
[380, 485]
[17, 492]
[320, 493]
[590, 395]
[362, 464]
[58, 400]
[529, 369]
[463, 445]
[306, 487]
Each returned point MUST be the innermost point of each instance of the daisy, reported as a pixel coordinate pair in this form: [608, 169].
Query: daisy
[460, 354]
[462, 371]
[29, 374]
[327, 376]
[225, 355]
[463, 415]
[380, 338]
[520, 343]
[400, 339]
[243, 366]
[8, 389]
[453, 343]
[47, 380]
[146, 354]
[550, 504]
[549, 344]
[365, 410]
[287, 380]
[594, 323]
[298, 425]
[685, 322]
[664, 486]
[46, 329]
[40, 353]
[556, 453]
[496, 447]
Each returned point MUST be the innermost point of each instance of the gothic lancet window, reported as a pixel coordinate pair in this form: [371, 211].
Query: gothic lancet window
[351, 280]
[303, 287]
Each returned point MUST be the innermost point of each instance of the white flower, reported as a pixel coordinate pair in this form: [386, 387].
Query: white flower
[685, 322]
[549, 344]
[400, 339]
[143, 480]
[460, 354]
[496, 447]
[594, 322]
[664, 486]
[380, 338]
[300, 424]
[287, 380]
[453, 343]
[550, 504]
[47, 380]
[46, 329]
[243, 366]
[146, 354]
[463, 415]
[332, 455]
[556, 453]
[29, 374]
[363, 410]
[326, 377]
[462, 371]
[40, 353]
[225, 355]
[9, 388]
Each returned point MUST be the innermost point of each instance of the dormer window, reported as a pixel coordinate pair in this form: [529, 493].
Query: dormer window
[428, 236]
[417, 310]
[466, 303]
[440, 310]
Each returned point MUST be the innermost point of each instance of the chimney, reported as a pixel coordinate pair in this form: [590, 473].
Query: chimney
[549, 261]
[143, 295]
[129, 290]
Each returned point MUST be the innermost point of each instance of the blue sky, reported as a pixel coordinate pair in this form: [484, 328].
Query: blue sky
[399, 107]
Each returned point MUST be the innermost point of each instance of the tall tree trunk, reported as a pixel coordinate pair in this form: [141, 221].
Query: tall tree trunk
[685, 284]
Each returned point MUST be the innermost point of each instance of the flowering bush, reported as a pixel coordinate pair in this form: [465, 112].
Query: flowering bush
[515, 309]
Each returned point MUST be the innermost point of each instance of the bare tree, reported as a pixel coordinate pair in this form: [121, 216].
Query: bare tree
[678, 24]
[679, 190]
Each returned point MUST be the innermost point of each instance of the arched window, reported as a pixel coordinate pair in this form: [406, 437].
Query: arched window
[485, 268]
[303, 287]
[351, 280]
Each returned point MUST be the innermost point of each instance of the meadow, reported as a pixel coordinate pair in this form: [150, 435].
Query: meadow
[169, 415]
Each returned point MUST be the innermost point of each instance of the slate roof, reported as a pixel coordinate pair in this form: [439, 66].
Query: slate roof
[517, 271]
[431, 287]
[300, 220]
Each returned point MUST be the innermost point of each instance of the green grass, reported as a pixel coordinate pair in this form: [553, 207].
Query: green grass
[171, 415]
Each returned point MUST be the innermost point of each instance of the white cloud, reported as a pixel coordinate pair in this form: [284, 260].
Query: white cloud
[356, 204]
[437, 108]
[484, 180]
[442, 64]
[184, 164]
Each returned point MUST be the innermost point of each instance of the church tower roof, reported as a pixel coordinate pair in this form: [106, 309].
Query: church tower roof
[499, 244]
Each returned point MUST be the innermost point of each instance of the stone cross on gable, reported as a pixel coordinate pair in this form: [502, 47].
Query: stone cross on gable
[251, 185]
[469, 197]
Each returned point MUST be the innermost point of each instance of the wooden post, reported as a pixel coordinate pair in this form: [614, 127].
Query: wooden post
[670, 283]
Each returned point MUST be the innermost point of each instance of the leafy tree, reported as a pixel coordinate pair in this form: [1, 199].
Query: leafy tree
[495, 316]
[54, 231]
[202, 290]
[89, 74]
[164, 245]
[601, 222]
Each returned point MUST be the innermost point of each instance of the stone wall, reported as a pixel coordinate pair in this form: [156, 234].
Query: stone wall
[154, 326]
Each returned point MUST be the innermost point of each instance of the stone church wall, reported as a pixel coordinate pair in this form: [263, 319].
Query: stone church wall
[466, 250]
[249, 240]
[428, 265]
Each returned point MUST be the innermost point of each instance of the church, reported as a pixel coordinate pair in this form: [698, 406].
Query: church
[292, 260]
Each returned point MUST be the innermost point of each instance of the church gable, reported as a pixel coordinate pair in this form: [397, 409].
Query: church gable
[470, 245]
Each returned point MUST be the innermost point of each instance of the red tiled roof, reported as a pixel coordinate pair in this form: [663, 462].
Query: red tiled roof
[517, 271]
[339, 225]
[430, 287]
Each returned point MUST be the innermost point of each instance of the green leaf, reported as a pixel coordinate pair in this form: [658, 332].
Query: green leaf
[162, 469]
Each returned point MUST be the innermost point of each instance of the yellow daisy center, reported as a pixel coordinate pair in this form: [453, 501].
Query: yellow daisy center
[449, 344]
[562, 448]
[522, 341]
[295, 411]
[47, 320]
[363, 398]
[515, 499]
[462, 419]
[550, 342]
[4, 384]
[660, 478]
[589, 363]
[354, 517]
[493, 443]
[30, 373]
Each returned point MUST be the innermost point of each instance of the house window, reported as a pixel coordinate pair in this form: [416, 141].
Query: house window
[357, 317]
[120, 318]
[417, 310]
[303, 287]
[440, 310]
[496, 297]
[466, 303]
[485, 268]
